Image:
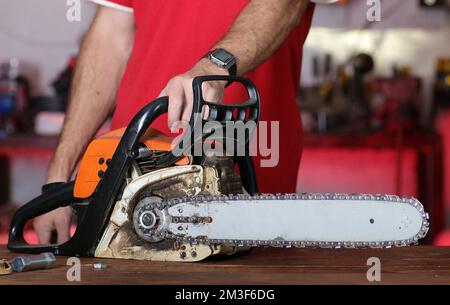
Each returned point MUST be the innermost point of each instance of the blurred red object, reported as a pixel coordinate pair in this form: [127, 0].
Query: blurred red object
[30, 236]
[443, 239]
[401, 102]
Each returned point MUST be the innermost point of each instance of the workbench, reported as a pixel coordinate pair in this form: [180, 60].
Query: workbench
[411, 265]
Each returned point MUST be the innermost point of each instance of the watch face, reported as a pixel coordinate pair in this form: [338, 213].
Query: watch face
[222, 58]
[222, 55]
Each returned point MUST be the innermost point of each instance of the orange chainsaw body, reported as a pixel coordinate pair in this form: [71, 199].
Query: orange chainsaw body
[96, 158]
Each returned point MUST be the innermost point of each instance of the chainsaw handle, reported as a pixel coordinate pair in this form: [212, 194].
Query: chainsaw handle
[245, 111]
[58, 196]
[90, 226]
[224, 113]
[221, 113]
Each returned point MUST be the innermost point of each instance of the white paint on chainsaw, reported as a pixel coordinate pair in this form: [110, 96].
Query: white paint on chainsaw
[120, 212]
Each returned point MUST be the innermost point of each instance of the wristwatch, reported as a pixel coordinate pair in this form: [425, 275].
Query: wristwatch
[223, 59]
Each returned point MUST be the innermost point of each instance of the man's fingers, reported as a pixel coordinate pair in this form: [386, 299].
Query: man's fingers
[176, 104]
[181, 100]
[189, 98]
[44, 235]
[205, 112]
[58, 219]
[43, 229]
[62, 224]
[210, 94]
[63, 231]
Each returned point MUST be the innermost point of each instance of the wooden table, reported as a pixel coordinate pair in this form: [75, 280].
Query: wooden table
[413, 265]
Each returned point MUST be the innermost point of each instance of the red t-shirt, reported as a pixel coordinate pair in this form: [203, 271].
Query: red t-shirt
[171, 36]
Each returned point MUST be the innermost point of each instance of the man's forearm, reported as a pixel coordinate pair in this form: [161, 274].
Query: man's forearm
[260, 29]
[99, 70]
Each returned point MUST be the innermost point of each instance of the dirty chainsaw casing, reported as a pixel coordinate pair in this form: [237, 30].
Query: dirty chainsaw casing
[126, 166]
[121, 240]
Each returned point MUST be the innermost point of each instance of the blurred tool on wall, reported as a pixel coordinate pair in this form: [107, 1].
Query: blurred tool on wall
[362, 64]
[63, 82]
[18, 110]
[49, 110]
[397, 113]
[442, 83]
[400, 98]
[339, 102]
[349, 98]
[14, 99]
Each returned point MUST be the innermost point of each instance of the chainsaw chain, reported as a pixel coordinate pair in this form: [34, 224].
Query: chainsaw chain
[205, 199]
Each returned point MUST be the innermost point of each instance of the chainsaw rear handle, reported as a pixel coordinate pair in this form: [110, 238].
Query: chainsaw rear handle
[93, 217]
[59, 196]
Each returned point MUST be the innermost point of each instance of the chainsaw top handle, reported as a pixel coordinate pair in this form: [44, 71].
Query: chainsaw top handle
[93, 217]
[245, 111]
[222, 114]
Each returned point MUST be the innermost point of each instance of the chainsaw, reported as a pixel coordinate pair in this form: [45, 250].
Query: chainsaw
[134, 198]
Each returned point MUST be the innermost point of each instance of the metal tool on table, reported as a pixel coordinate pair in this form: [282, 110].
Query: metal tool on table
[35, 262]
[137, 199]
[27, 263]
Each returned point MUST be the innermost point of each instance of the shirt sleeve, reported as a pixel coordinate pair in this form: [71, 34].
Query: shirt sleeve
[123, 5]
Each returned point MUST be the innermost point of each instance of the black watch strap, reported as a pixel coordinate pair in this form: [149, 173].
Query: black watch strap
[233, 70]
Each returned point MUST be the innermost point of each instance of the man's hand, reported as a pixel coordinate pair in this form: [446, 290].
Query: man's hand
[179, 91]
[58, 220]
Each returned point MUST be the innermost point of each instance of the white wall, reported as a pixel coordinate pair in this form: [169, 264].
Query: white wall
[39, 35]
[394, 14]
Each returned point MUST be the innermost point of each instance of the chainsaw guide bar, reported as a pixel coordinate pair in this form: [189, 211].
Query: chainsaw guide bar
[287, 220]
